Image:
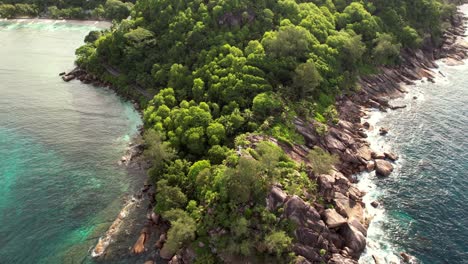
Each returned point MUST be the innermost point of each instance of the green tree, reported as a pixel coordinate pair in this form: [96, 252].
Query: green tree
[386, 50]
[321, 161]
[266, 104]
[305, 80]
[278, 242]
[168, 197]
[115, 9]
[182, 230]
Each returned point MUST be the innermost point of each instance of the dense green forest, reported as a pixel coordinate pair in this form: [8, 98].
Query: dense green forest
[226, 70]
[73, 9]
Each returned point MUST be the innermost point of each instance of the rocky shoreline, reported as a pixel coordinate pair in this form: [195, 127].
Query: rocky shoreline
[347, 139]
[336, 233]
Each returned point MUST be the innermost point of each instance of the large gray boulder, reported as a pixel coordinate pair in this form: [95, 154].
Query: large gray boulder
[354, 239]
[339, 259]
[334, 219]
[276, 198]
[298, 211]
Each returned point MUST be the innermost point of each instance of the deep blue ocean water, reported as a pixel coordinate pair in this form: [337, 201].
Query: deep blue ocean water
[425, 201]
[60, 182]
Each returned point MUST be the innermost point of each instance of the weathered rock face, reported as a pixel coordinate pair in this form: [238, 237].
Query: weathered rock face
[339, 259]
[370, 166]
[383, 168]
[334, 219]
[165, 253]
[276, 198]
[348, 207]
[303, 214]
[391, 156]
[326, 190]
[354, 239]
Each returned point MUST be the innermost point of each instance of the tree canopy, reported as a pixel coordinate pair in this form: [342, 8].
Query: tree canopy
[223, 70]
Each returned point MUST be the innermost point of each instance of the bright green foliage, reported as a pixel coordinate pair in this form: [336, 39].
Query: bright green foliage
[115, 9]
[321, 161]
[386, 50]
[278, 242]
[157, 151]
[220, 70]
[182, 230]
[168, 197]
[306, 78]
[266, 104]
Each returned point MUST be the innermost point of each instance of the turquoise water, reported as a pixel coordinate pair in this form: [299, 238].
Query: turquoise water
[425, 200]
[60, 183]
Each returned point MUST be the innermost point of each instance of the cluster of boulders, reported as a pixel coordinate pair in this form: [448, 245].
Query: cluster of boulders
[85, 77]
[336, 234]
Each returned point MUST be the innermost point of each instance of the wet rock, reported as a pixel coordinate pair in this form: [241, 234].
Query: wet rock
[139, 246]
[407, 258]
[383, 168]
[370, 166]
[375, 204]
[391, 156]
[68, 78]
[378, 260]
[162, 239]
[334, 219]
[378, 155]
[365, 153]
[366, 125]
[395, 107]
[383, 131]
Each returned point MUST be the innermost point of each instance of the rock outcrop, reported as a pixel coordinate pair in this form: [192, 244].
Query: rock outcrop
[383, 168]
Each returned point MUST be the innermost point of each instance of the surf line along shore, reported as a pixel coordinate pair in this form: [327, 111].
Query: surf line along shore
[347, 139]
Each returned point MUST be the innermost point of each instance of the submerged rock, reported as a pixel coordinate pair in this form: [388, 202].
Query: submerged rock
[383, 168]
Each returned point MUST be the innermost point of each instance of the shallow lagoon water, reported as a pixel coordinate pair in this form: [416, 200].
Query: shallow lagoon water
[60, 183]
